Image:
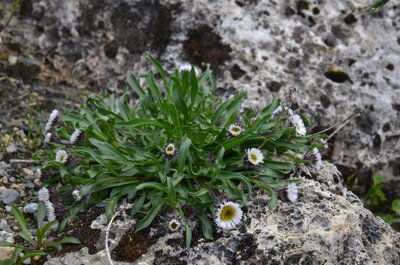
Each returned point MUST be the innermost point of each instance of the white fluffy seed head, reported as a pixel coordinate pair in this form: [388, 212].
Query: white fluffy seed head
[52, 119]
[235, 130]
[298, 124]
[228, 215]
[74, 136]
[51, 216]
[292, 192]
[254, 156]
[174, 225]
[62, 156]
[43, 194]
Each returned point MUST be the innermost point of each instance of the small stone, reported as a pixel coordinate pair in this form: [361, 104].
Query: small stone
[31, 208]
[29, 185]
[12, 179]
[37, 182]
[10, 196]
[4, 226]
[6, 253]
[11, 149]
[28, 172]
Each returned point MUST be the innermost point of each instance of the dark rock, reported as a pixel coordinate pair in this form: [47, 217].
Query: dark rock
[337, 76]
[237, 72]
[350, 19]
[203, 46]
[274, 86]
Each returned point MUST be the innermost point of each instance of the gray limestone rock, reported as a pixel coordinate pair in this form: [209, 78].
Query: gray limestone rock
[31, 208]
[327, 225]
[336, 58]
[10, 196]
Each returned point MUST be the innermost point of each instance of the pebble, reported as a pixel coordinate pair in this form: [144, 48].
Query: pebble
[31, 208]
[28, 174]
[12, 179]
[12, 59]
[10, 196]
[4, 226]
[29, 185]
[11, 149]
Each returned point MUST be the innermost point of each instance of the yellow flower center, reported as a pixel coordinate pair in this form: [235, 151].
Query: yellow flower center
[253, 157]
[228, 213]
[174, 226]
[236, 129]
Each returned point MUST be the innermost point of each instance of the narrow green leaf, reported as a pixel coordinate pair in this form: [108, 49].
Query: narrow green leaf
[40, 214]
[138, 205]
[183, 153]
[154, 90]
[31, 254]
[134, 84]
[69, 240]
[146, 221]
[188, 235]
[22, 222]
[206, 227]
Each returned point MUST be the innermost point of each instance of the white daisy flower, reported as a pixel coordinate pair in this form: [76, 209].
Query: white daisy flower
[292, 192]
[52, 119]
[187, 67]
[254, 156]
[62, 156]
[47, 137]
[77, 195]
[51, 216]
[174, 225]
[229, 215]
[235, 130]
[170, 149]
[298, 123]
[43, 194]
[74, 136]
[314, 156]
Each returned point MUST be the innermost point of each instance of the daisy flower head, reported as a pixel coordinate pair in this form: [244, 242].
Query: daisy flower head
[229, 215]
[62, 156]
[254, 156]
[315, 156]
[292, 192]
[174, 225]
[170, 150]
[298, 124]
[53, 119]
[235, 130]
[75, 136]
[48, 137]
[77, 195]
[187, 68]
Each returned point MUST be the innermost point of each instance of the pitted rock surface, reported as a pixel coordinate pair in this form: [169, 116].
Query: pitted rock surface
[327, 225]
[336, 58]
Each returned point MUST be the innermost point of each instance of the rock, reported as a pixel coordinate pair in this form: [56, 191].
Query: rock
[4, 168]
[327, 225]
[4, 226]
[28, 174]
[11, 148]
[6, 253]
[31, 208]
[10, 196]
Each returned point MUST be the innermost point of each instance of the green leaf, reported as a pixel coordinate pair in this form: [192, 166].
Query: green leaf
[134, 84]
[183, 153]
[206, 227]
[194, 87]
[188, 235]
[171, 193]
[278, 165]
[233, 175]
[378, 179]
[22, 222]
[41, 233]
[31, 254]
[154, 90]
[396, 206]
[146, 221]
[41, 214]
[69, 240]
[138, 205]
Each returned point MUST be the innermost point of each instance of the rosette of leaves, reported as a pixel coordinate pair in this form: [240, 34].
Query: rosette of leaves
[122, 153]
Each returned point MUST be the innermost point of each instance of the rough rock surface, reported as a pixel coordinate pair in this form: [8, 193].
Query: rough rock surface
[337, 58]
[327, 225]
